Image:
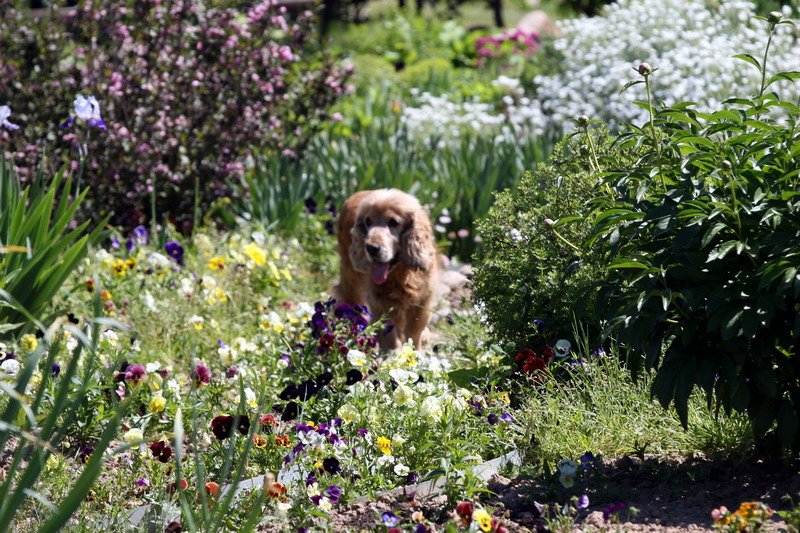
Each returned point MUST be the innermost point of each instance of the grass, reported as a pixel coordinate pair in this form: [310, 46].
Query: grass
[599, 407]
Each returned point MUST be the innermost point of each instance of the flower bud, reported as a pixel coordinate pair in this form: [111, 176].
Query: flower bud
[583, 121]
[774, 17]
[548, 222]
[645, 69]
[726, 165]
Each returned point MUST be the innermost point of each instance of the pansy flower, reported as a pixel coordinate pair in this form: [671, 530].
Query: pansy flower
[243, 424]
[5, 112]
[135, 374]
[161, 451]
[385, 445]
[85, 454]
[389, 519]
[333, 493]
[583, 502]
[217, 263]
[175, 251]
[201, 375]
[259, 441]
[221, 426]
[506, 420]
[587, 460]
[88, 110]
[567, 470]
[483, 519]
[283, 441]
[140, 235]
[173, 527]
[611, 511]
[289, 412]
[331, 465]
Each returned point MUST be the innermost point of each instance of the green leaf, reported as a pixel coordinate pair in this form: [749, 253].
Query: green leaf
[629, 85]
[787, 76]
[465, 376]
[749, 59]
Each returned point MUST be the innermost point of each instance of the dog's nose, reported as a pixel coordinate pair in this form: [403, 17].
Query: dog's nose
[373, 249]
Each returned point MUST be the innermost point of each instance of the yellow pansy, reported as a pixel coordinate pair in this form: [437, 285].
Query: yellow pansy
[483, 519]
[385, 445]
[254, 252]
[28, 342]
[157, 404]
[119, 267]
[217, 263]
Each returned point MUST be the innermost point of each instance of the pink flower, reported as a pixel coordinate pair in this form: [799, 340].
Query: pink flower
[201, 375]
[135, 374]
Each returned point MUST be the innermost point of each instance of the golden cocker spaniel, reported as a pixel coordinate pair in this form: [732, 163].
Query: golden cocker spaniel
[388, 262]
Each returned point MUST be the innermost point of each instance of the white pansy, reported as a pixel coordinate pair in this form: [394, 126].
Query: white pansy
[401, 470]
[158, 261]
[385, 460]
[402, 376]
[431, 408]
[173, 387]
[109, 336]
[357, 358]
[10, 367]
[303, 311]
[133, 435]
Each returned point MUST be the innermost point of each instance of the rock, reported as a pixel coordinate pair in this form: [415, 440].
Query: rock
[453, 279]
[595, 519]
[538, 22]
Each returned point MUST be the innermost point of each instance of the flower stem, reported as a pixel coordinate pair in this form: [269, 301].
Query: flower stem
[656, 144]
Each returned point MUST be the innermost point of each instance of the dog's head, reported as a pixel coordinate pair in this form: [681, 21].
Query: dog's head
[391, 227]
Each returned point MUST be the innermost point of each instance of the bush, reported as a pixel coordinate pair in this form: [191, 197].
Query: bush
[527, 270]
[705, 278]
[186, 89]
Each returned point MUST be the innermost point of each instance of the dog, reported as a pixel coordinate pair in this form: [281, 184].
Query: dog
[388, 262]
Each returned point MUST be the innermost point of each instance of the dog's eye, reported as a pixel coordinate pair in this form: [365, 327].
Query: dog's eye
[393, 222]
[367, 222]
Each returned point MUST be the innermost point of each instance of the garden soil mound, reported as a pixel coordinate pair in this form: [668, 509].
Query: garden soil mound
[672, 496]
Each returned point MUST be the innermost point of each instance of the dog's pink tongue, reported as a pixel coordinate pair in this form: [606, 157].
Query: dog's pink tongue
[380, 273]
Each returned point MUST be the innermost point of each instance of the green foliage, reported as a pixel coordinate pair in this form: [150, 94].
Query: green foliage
[40, 249]
[39, 414]
[529, 269]
[705, 258]
[374, 153]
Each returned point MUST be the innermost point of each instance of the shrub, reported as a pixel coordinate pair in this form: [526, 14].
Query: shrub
[186, 89]
[527, 270]
[705, 278]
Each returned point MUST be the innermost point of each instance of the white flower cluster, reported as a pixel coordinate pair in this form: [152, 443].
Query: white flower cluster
[691, 42]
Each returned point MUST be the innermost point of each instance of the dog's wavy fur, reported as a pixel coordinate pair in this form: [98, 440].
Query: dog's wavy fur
[397, 230]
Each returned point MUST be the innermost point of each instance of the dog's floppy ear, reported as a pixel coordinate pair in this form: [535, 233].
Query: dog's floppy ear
[416, 242]
[358, 255]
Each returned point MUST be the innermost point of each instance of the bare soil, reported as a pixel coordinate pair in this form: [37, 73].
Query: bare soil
[672, 496]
